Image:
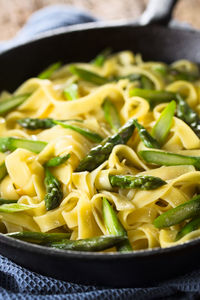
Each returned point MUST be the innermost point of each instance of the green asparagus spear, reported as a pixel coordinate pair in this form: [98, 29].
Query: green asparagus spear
[88, 75]
[189, 227]
[188, 115]
[187, 210]
[90, 135]
[130, 77]
[144, 182]
[3, 170]
[49, 71]
[71, 92]
[175, 74]
[8, 104]
[145, 136]
[153, 97]
[11, 143]
[34, 124]
[114, 226]
[57, 161]
[146, 83]
[111, 115]
[95, 244]
[101, 57]
[13, 207]
[39, 237]
[163, 158]
[101, 152]
[162, 127]
[54, 192]
[7, 201]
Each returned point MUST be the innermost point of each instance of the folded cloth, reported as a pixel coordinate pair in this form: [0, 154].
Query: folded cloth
[46, 19]
[19, 283]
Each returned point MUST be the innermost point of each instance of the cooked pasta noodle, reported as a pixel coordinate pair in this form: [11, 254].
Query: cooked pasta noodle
[80, 210]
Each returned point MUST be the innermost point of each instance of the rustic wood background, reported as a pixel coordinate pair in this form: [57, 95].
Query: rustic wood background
[14, 13]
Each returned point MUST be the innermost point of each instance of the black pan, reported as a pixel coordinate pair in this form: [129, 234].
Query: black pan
[81, 43]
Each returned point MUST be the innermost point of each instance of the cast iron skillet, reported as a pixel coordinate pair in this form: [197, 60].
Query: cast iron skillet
[81, 43]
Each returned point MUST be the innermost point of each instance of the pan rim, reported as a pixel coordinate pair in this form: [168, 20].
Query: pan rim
[91, 26]
[144, 253]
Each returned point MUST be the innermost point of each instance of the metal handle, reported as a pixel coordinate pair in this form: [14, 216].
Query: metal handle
[158, 12]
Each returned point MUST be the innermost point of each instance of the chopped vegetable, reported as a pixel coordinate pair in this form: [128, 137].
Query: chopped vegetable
[101, 152]
[187, 210]
[46, 74]
[92, 136]
[114, 226]
[146, 83]
[7, 201]
[33, 124]
[144, 182]
[163, 158]
[145, 136]
[188, 115]
[9, 104]
[101, 57]
[95, 244]
[153, 97]
[111, 115]
[189, 227]
[13, 207]
[54, 192]
[71, 92]
[162, 127]
[57, 161]
[88, 75]
[39, 237]
[11, 143]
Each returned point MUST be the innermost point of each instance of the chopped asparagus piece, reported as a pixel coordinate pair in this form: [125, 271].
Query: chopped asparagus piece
[7, 201]
[71, 92]
[33, 124]
[187, 210]
[101, 152]
[92, 136]
[13, 208]
[39, 237]
[114, 226]
[111, 115]
[145, 136]
[162, 127]
[144, 182]
[57, 161]
[95, 244]
[101, 57]
[153, 97]
[46, 74]
[162, 158]
[188, 115]
[9, 104]
[88, 75]
[54, 192]
[189, 227]
[10, 144]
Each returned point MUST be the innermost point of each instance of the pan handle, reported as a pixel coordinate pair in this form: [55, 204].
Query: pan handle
[158, 12]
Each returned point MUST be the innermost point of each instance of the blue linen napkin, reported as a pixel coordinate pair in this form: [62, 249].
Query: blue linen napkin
[17, 282]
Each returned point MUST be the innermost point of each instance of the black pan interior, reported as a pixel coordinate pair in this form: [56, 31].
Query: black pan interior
[154, 42]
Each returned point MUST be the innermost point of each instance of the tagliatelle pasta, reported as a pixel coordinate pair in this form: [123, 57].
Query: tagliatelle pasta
[79, 102]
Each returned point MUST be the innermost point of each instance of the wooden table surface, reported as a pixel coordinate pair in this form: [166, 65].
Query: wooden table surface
[14, 13]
